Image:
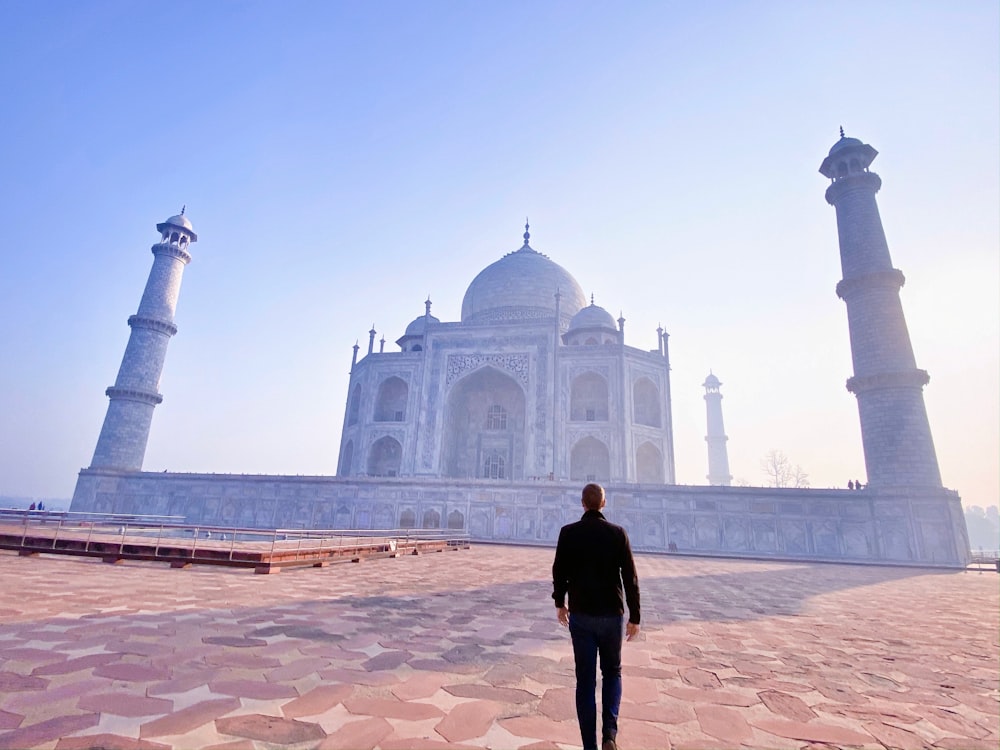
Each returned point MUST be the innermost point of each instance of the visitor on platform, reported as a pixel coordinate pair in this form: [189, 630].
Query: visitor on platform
[594, 567]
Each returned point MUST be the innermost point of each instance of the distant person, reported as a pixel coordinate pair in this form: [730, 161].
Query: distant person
[850, 484]
[593, 565]
[858, 485]
[31, 507]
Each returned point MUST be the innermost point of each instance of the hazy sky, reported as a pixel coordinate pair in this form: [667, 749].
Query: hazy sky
[341, 161]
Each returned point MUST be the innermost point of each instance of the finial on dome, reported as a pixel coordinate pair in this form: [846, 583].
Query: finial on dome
[527, 234]
[591, 299]
[183, 209]
[427, 305]
[841, 131]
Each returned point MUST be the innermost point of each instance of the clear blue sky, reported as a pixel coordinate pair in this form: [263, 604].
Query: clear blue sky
[342, 160]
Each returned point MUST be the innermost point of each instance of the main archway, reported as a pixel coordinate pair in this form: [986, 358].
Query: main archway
[484, 425]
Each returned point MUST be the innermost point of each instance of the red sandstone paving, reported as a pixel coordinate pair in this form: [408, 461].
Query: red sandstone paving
[357, 735]
[803, 655]
[317, 700]
[468, 720]
[108, 742]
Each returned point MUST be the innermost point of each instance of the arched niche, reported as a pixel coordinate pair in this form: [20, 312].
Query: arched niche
[390, 404]
[354, 408]
[456, 520]
[385, 457]
[649, 464]
[346, 459]
[588, 398]
[646, 403]
[590, 461]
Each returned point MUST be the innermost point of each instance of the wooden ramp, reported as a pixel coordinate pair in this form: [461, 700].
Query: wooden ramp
[115, 539]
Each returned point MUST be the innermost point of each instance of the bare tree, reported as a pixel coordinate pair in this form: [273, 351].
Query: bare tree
[780, 471]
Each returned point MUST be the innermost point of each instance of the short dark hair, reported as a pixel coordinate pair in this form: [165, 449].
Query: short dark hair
[593, 496]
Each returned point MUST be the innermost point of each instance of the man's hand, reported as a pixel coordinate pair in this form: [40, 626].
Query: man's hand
[563, 614]
[631, 631]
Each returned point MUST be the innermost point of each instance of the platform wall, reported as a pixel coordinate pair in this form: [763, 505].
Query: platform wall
[887, 526]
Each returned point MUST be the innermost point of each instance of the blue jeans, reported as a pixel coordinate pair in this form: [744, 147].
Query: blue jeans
[595, 636]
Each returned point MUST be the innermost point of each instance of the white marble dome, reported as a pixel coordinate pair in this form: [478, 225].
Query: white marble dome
[521, 286]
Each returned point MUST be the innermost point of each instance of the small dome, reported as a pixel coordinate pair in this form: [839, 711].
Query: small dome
[844, 142]
[592, 317]
[419, 325]
[711, 381]
[180, 220]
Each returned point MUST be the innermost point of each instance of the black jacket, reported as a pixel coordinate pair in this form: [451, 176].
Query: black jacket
[593, 560]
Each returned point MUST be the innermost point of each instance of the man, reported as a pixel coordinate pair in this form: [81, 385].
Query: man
[593, 561]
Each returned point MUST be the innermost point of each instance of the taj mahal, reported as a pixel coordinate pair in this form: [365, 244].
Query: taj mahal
[533, 382]
[490, 424]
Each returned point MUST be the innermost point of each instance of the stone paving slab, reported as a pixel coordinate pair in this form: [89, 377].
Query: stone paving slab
[464, 651]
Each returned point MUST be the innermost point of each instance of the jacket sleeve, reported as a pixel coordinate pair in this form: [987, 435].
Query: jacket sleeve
[630, 581]
[560, 575]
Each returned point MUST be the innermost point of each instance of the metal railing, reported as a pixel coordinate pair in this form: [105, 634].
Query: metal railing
[171, 538]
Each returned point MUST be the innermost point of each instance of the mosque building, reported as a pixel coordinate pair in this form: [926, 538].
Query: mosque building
[531, 383]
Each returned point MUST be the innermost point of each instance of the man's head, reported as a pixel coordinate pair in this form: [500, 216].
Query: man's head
[593, 497]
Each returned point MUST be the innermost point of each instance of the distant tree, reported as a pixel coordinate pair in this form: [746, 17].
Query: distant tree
[984, 529]
[780, 471]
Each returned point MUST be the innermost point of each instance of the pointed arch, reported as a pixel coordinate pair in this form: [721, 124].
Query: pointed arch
[354, 409]
[649, 464]
[470, 437]
[588, 398]
[390, 404]
[590, 461]
[646, 403]
[346, 459]
[385, 457]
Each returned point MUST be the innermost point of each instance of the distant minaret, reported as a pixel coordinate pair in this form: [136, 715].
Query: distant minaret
[895, 433]
[122, 444]
[718, 455]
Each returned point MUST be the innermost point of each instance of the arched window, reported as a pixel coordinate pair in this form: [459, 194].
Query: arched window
[646, 403]
[591, 341]
[588, 398]
[432, 519]
[496, 418]
[495, 467]
[417, 348]
[390, 406]
[407, 519]
[456, 520]
[355, 408]
[173, 237]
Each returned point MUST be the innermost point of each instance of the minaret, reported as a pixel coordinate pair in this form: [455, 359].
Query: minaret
[122, 444]
[718, 455]
[895, 433]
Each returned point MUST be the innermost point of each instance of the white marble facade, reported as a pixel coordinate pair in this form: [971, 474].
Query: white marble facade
[532, 383]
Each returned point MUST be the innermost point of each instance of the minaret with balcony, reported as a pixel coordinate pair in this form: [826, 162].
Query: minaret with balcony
[896, 435]
[718, 453]
[125, 433]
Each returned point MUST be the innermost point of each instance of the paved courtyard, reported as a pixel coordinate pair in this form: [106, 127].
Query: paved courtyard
[462, 649]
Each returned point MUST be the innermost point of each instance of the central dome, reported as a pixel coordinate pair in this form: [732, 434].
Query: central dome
[521, 286]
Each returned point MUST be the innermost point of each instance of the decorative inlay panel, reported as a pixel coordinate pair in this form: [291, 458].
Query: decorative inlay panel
[514, 364]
